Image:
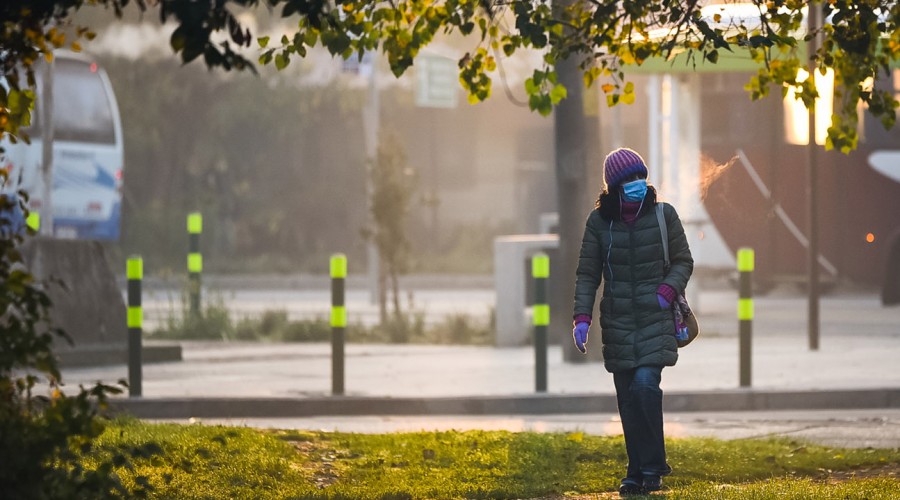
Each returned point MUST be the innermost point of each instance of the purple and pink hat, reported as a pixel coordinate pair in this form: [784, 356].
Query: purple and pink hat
[622, 164]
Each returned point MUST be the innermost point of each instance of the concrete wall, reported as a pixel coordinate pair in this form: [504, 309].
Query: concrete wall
[87, 304]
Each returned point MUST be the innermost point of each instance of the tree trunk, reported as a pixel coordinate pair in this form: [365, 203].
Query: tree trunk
[399, 326]
[575, 153]
[395, 290]
[382, 295]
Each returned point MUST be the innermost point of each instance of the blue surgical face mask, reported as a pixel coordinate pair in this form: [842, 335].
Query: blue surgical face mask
[635, 190]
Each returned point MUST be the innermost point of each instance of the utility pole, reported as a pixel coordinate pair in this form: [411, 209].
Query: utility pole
[47, 133]
[812, 21]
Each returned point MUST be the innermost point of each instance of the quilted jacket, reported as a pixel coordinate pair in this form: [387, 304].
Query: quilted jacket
[628, 260]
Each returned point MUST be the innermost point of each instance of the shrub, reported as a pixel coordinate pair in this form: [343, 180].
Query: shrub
[215, 323]
[316, 330]
[462, 328]
[41, 436]
[212, 322]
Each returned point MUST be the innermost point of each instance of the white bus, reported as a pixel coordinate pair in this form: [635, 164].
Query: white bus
[88, 155]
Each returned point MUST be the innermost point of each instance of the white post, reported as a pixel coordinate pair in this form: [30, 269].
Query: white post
[671, 134]
[371, 125]
[654, 110]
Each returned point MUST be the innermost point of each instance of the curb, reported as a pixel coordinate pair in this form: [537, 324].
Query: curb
[116, 354]
[737, 401]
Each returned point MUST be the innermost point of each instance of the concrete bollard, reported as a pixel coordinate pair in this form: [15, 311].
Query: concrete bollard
[338, 267]
[134, 271]
[745, 261]
[195, 260]
[540, 271]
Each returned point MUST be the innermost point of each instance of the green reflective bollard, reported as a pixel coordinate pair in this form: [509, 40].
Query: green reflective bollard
[745, 261]
[540, 271]
[33, 221]
[195, 260]
[134, 270]
[338, 271]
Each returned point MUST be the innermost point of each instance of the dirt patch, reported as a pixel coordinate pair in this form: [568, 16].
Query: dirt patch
[320, 465]
[886, 470]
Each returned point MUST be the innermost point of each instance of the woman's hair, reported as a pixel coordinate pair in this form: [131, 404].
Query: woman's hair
[605, 195]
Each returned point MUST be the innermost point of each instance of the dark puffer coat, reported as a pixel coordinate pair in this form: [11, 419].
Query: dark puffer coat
[636, 331]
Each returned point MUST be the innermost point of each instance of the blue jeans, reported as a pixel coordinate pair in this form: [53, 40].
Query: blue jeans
[640, 407]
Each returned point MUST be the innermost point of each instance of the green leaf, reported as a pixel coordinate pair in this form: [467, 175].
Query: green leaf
[713, 56]
[192, 50]
[540, 103]
[310, 37]
[558, 93]
[263, 41]
[281, 61]
[178, 39]
[546, 107]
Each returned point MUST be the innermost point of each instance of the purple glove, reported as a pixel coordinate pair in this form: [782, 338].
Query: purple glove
[663, 301]
[665, 295]
[580, 333]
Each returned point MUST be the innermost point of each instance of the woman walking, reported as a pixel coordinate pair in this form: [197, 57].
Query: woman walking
[622, 248]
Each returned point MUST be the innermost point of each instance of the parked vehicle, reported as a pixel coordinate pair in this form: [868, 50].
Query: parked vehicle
[88, 153]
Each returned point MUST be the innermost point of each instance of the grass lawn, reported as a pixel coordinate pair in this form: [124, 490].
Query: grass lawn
[198, 461]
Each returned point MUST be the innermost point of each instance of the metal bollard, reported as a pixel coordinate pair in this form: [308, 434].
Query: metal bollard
[745, 263]
[134, 271]
[338, 266]
[540, 271]
[195, 260]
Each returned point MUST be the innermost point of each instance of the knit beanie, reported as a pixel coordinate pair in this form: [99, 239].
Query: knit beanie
[621, 164]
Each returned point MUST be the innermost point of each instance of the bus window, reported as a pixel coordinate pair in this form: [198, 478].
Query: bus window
[81, 110]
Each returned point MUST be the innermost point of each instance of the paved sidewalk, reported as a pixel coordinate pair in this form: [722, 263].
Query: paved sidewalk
[304, 370]
[855, 367]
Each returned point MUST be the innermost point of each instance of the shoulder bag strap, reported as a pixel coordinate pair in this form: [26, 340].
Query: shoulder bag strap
[664, 233]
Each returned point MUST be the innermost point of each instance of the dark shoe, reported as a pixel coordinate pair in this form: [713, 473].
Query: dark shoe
[652, 483]
[630, 489]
